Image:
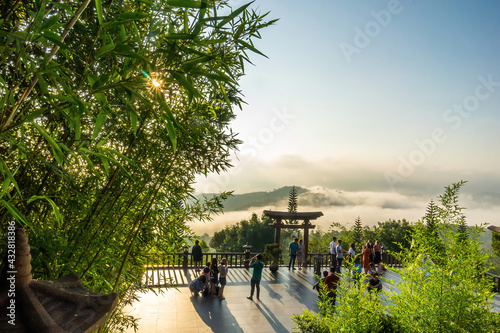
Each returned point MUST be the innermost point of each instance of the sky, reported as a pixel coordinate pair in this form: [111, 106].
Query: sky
[373, 99]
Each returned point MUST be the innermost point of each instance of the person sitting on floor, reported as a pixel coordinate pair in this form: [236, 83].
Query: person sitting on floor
[381, 269]
[197, 285]
[375, 284]
[317, 286]
[371, 270]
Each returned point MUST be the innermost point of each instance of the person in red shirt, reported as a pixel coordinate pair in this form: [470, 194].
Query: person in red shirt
[331, 283]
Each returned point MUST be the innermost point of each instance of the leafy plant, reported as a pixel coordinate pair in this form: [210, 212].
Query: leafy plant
[107, 113]
[442, 287]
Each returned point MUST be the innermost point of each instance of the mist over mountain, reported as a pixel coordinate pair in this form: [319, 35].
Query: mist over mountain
[344, 206]
[246, 201]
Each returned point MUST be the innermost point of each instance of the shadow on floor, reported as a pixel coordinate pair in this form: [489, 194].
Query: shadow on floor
[215, 314]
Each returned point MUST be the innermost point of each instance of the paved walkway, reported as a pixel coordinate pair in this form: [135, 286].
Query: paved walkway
[282, 295]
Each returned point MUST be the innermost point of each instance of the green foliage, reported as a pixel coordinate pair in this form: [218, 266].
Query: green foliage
[356, 310]
[107, 113]
[442, 289]
[272, 253]
[310, 322]
[394, 235]
[204, 246]
[255, 232]
[431, 216]
[495, 242]
[357, 233]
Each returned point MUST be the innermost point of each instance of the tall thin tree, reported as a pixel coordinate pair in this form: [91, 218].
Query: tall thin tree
[292, 203]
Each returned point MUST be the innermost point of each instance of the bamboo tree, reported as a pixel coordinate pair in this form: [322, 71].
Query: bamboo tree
[102, 135]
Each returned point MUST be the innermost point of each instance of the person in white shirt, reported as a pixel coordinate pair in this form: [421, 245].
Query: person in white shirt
[340, 256]
[333, 253]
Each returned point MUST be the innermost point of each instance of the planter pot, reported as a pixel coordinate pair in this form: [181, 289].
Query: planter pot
[273, 268]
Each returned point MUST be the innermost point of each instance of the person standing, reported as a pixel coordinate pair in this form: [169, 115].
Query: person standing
[197, 254]
[333, 253]
[222, 277]
[292, 250]
[366, 257]
[352, 252]
[214, 276]
[300, 254]
[257, 266]
[340, 255]
[370, 245]
[377, 250]
[331, 283]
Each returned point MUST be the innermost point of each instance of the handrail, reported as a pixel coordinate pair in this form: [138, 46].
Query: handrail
[237, 259]
[496, 281]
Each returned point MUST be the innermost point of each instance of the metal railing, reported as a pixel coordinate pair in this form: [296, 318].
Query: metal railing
[237, 259]
[185, 259]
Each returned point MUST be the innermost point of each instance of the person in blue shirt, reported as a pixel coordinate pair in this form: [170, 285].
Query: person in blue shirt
[257, 266]
[292, 249]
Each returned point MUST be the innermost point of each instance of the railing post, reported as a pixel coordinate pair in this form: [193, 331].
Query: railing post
[384, 255]
[247, 255]
[185, 254]
[317, 264]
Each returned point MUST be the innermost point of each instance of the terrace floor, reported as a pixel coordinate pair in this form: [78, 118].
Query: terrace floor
[281, 296]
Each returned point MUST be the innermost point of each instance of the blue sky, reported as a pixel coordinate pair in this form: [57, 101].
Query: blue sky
[381, 96]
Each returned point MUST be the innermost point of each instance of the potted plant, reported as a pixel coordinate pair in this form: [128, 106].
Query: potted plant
[272, 253]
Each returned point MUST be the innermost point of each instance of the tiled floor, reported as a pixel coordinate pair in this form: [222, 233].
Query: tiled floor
[282, 295]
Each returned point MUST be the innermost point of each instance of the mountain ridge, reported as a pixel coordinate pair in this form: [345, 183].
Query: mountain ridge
[239, 202]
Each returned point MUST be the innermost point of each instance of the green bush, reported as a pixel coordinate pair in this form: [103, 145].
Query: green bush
[442, 287]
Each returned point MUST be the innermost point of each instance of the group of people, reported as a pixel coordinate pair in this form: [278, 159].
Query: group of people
[296, 251]
[337, 253]
[213, 280]
[371, 262]
[214, 277]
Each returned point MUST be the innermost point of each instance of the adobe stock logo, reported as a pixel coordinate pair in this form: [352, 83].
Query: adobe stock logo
[453, 117]
[363, 37]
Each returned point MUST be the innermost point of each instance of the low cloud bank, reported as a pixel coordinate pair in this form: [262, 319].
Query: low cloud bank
[371, 206]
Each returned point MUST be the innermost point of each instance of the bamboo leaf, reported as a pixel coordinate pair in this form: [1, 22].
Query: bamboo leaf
[55, 209]
[172, 134]
[104, 49]
[169, 120]
[218, 77]
[50, 21]
[58, 155]
[192, 91]
[184, 3]
[98, 8]
[17, 215]
[179, 36]
[132, 16]
[39, 17]
[5, 187]
[9, 177]
[87, 159]
[42, 84]
[54, 38]
[250, 47]
[234, 14]
[101, 119]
